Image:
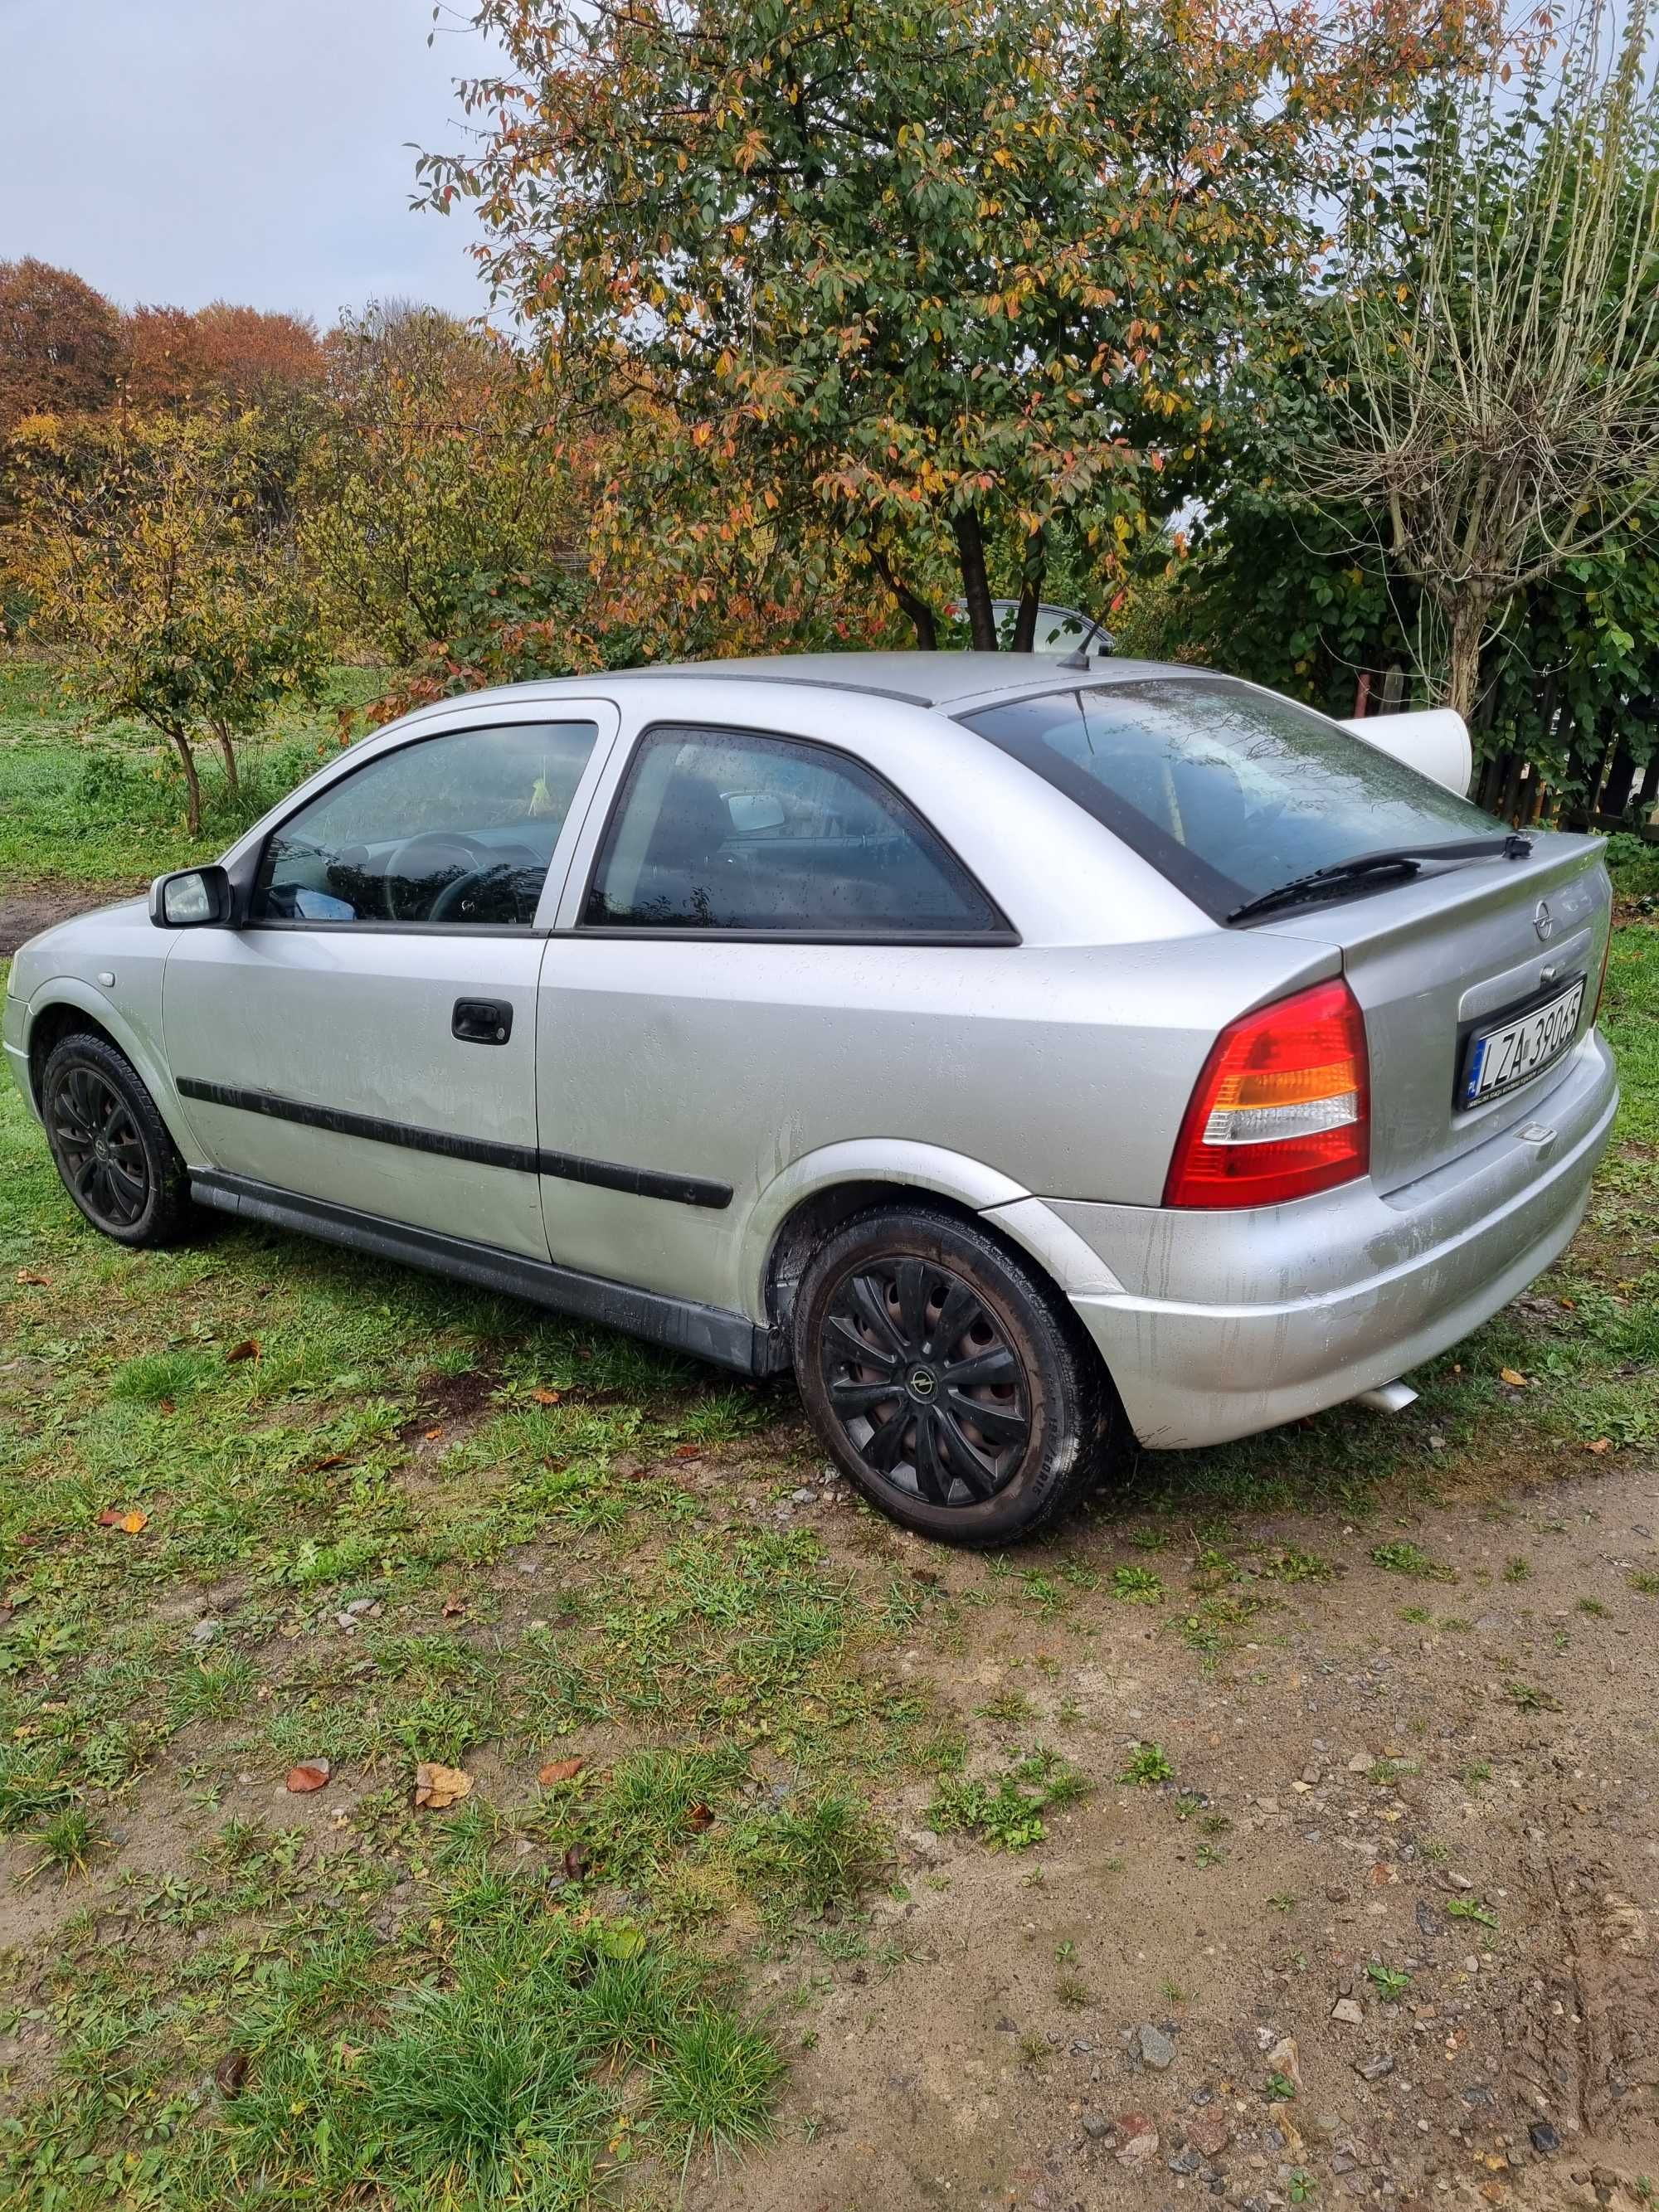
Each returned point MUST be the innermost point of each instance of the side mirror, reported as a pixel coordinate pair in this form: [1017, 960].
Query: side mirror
[191, 899]
[753, 811]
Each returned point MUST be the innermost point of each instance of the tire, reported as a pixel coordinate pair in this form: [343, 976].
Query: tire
[111, 1146]
[869, 1353]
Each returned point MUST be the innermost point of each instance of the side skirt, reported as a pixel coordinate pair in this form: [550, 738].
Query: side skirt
[705, 1332]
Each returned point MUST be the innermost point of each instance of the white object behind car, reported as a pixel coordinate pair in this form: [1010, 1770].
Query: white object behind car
[1434, 740]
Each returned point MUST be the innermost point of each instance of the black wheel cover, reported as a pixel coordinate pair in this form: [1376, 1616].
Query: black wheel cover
[99, 1148]
[924, 1379]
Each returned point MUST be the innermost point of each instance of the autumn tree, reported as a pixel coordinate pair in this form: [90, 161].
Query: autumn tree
[60, 343]
[952, 277]
[218, 355]
[439, 518]
[1494, 381]
[149, 561]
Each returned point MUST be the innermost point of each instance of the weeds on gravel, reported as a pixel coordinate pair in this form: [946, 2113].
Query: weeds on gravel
[1407, 1559]
[1005, 1812]
[1470, 1908]
[1147, 1765]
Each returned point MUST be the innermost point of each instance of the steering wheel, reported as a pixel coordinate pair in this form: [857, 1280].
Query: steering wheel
[448, 904]
[422, 857]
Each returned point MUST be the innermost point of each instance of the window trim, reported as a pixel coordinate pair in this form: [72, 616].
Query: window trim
[1001, 933]
[547, 896]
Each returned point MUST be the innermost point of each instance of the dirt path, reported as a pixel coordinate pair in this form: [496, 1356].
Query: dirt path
[36, 907]
[1120, 2016]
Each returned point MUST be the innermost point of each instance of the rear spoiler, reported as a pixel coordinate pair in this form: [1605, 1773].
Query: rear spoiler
[1435, 740]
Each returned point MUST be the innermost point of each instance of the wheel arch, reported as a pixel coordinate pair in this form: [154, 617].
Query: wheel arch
[812, 1197]
[71, 1007]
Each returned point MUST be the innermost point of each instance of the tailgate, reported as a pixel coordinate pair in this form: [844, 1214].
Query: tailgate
[1450, 969]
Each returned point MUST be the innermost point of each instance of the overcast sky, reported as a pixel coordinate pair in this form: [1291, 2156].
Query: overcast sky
[181, 151]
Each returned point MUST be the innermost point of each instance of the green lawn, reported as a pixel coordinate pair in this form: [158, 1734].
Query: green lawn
[105, 805]
[381, 1522]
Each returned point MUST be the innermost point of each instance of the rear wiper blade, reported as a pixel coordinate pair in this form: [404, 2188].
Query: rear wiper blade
[1514, 846]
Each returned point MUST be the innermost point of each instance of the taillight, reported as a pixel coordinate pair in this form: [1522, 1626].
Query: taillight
[1282, 1108]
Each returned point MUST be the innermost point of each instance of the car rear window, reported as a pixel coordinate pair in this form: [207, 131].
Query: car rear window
[1226, 790]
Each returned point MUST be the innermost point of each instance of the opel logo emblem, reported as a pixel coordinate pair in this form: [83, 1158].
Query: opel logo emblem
[922, 1384]
[1543, 920]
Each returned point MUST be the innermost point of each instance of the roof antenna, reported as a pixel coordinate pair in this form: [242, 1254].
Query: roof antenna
[1079, 659]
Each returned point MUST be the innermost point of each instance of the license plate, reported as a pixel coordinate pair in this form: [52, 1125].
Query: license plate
[1498, 1059]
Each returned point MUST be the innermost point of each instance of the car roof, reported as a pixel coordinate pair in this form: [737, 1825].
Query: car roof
[920, 679]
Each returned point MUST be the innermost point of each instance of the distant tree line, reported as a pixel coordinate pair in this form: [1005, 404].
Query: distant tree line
[1322, 344]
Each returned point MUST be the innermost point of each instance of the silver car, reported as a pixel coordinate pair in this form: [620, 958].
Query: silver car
[1035, 1054]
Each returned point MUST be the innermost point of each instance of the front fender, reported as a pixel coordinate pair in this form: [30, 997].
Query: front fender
[139, 1046]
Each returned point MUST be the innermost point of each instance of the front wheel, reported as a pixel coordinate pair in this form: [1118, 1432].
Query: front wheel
[949, 1383]
[111, 1145]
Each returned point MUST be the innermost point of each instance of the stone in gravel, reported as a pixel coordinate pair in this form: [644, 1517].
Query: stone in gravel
[803, 1498]
[1209, 2132]
[1156, 2049]
[1544, 2136]
[1373, 2068]
[1337, 1894]
[1345, 2009]
[204, 1632]
[1141, 2142]
[1361, 1763]
[1282, 2059]
[1428, 1921]
[1183, 2162]
[1343, 2161]
[1095, 2125]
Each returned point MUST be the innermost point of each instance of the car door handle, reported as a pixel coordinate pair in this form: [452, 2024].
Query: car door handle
[482, 1021]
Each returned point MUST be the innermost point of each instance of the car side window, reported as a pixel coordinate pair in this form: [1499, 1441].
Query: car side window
[730, 830]
[458, 829]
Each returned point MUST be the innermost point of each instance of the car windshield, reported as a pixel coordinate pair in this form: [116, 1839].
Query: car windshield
[1230, 792]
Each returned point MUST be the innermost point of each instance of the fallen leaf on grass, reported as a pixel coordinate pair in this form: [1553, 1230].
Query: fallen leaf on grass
[547, 1397]
[432, 1434]
[231, 2072]
[560, 1769]
[248, 1349]
[132, 1521]
[688, 1451]
[29, 1275]
[700, 1817]
[1599, 1444]
[576, 1863]
[1515, 1379]
[165, 1406]
[310, 1774]
[454, 1608]
[440, 1787]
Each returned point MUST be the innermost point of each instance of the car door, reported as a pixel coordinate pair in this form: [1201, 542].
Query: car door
[368, 1038]
[741, 981]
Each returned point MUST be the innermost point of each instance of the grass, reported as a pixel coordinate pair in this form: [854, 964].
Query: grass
[1005, 1811]
[544, 1992]
[105, 805]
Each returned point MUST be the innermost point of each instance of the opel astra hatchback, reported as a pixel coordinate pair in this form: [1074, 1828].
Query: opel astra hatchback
[1037, 1058]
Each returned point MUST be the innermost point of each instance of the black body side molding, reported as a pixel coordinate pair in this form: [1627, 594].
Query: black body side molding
[523, 1160]
[729, 1340]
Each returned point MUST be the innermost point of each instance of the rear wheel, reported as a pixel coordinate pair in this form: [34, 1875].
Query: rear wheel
[948, 1382]
[111, 1145]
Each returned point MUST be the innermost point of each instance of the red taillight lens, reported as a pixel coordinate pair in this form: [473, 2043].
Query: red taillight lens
[1282, 1108]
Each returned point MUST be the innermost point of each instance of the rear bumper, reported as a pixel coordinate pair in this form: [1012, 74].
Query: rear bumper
[1230, 1324]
